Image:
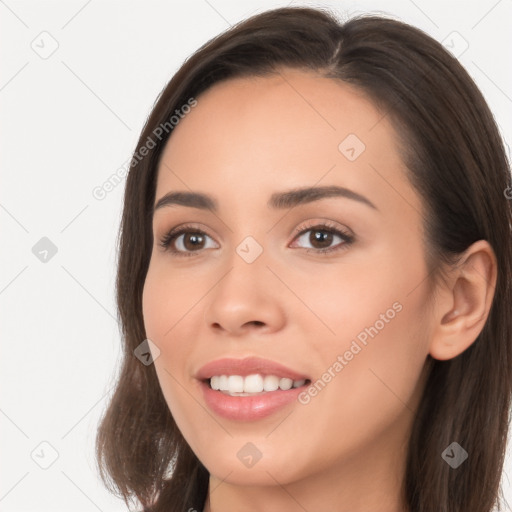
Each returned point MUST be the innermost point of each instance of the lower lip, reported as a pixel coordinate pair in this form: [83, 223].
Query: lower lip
[248, 408]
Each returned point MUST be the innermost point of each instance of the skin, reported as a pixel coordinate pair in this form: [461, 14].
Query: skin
[345, 449]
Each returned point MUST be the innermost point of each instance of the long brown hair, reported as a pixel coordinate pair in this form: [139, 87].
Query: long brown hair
[457, 163]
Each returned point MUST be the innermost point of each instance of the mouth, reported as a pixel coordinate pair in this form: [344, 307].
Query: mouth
[249, 389]
[242, 400]
[252, 385]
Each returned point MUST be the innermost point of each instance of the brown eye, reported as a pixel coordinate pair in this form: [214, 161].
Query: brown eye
[321, 237]
[190, 241]
[185, 241]
[193, 241]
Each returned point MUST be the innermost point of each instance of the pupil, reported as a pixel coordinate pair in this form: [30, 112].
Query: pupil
[322, 236]
[192, 239]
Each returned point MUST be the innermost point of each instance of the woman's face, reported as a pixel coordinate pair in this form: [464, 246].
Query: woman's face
[250, 280]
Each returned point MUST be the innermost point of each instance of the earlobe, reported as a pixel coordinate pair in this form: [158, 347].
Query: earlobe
[464, 302]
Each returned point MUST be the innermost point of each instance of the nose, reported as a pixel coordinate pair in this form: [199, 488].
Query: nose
[244, 300]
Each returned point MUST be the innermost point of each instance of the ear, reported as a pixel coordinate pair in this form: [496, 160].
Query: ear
[463, 302]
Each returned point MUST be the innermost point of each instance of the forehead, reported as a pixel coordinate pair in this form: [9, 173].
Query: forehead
[291, 129]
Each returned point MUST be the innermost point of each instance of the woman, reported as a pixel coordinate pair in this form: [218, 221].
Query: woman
[369, 369]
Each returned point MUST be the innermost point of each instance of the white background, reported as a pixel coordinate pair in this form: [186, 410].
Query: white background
[69, 122]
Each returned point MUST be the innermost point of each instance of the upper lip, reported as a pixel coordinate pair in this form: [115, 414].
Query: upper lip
[247, 366]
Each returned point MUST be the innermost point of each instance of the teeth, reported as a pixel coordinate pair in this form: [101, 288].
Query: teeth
[255, 383]
[287, 383]
[270, 383]
[235, 384]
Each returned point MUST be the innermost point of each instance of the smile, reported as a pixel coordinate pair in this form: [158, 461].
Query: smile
[238, 385]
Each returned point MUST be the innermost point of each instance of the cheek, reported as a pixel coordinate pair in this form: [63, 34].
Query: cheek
[169, 299]
[171, 322]
[368, 368]
[164, 311]
[155, 306]
[368, 393]
[370, 306]
[383, 347]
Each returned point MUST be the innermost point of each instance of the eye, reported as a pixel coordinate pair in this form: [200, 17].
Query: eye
[321, 236]
[188, 240]
[192, 242]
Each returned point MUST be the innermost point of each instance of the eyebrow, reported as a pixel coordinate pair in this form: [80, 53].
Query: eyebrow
[278, 200]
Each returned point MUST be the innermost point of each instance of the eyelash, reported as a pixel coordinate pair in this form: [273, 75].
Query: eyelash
[348, 238]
